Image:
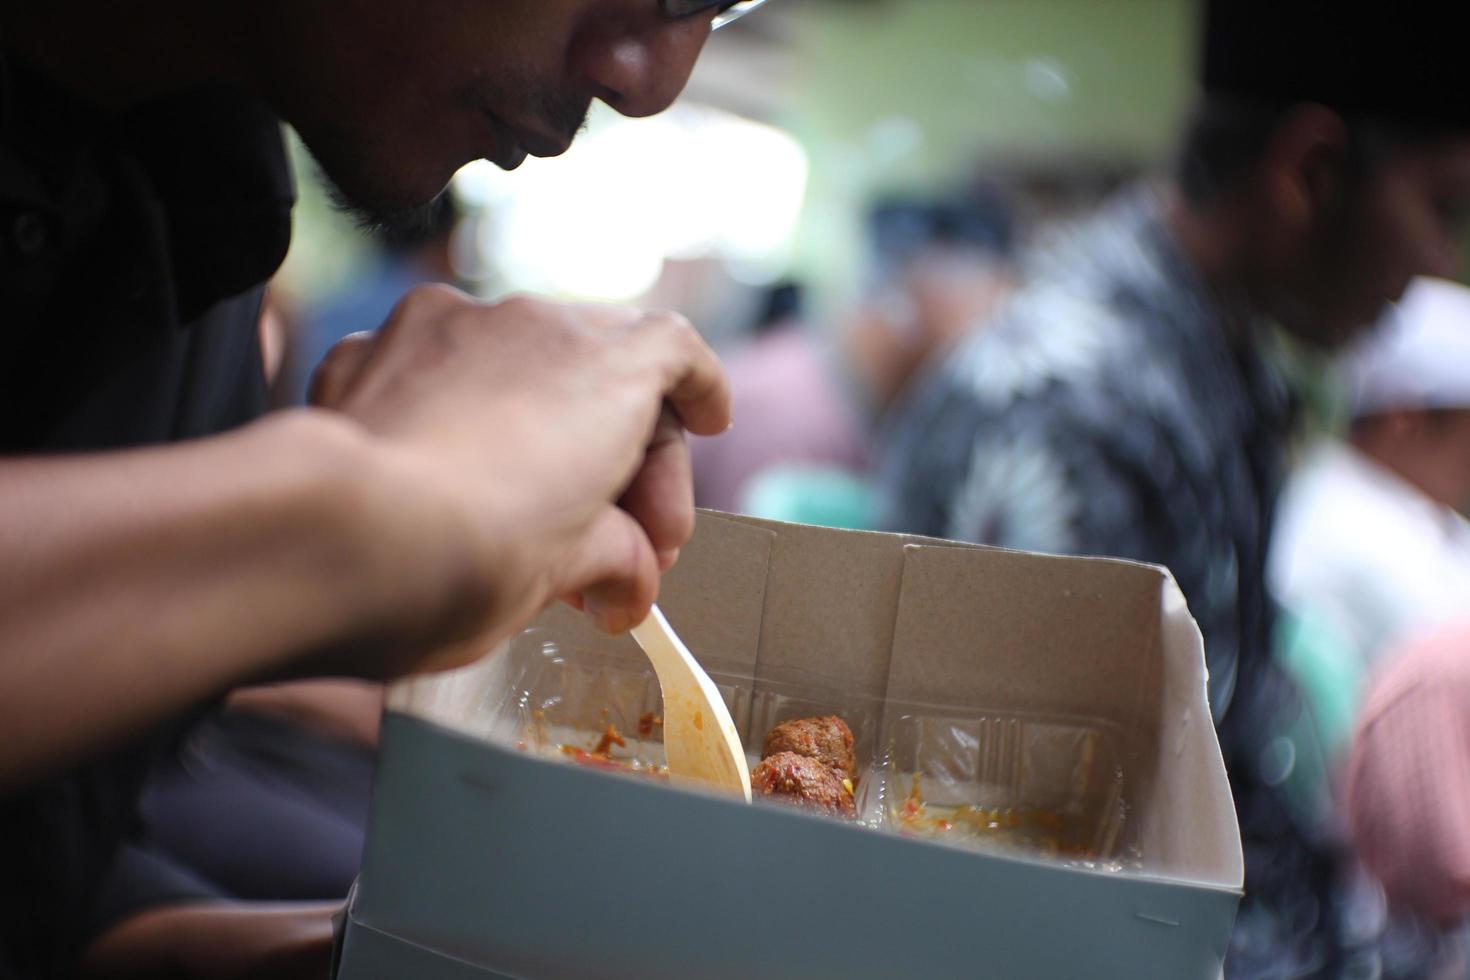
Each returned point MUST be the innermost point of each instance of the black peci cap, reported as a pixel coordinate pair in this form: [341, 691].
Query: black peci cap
[1399, 62]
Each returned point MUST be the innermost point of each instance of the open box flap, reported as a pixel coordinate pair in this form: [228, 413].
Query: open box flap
[1106, 640]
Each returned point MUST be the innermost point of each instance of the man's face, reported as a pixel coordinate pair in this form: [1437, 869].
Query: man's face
[1409, 217]
[1429, 448]
[394, 96]
[1451, 432]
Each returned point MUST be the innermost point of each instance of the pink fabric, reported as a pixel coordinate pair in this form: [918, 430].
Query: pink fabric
[1408, 785]
[788, 408]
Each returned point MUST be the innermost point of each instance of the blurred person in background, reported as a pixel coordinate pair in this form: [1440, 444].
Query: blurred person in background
[1371, 541]
[1369, 548]
[163, 544]
[1124, 402]
[1408, 779]
[808, 403]
[792, 406]
[939, 270]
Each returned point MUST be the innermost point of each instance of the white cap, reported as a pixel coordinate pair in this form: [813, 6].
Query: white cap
[1419, 354]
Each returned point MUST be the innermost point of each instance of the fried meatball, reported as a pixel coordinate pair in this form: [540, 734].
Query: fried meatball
[796, 779]
[828, 740]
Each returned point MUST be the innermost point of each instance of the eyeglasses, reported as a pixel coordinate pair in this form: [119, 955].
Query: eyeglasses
[728, 10]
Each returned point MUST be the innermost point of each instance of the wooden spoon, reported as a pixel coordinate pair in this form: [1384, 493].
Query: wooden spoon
[699, 734]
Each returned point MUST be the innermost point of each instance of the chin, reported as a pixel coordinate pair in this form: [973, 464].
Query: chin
[1331, 325]
[1327, 334]
[384, 195]
[1345, 336]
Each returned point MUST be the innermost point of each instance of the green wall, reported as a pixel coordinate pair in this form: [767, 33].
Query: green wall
[909, 94]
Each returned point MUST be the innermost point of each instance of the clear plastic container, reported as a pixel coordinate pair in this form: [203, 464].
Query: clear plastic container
[1045, 788]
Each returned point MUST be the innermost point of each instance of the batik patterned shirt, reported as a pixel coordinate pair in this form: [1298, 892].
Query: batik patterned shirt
[1111, 409]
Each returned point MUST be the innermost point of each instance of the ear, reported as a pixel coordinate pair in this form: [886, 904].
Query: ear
[1303, 164]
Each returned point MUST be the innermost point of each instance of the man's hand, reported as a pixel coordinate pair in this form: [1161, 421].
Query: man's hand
[538, 451]
[477, 463]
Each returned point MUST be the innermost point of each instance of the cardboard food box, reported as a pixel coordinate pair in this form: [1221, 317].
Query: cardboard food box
[1041, 793]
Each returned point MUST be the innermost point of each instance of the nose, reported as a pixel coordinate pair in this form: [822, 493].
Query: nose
[639, 67]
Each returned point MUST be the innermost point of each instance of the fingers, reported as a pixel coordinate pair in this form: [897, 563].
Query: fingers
[697, 397]
[614, 573]
[335, 375]
[693, 380]
[661, 496]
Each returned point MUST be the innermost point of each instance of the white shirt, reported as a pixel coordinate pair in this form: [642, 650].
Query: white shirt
[1368, 553]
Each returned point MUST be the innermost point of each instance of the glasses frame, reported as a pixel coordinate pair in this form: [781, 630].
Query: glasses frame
[728, 11]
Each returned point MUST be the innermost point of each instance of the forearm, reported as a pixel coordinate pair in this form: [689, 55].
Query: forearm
[349, 710]
[135, 584]
[217, 941]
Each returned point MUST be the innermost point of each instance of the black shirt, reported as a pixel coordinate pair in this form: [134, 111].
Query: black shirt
[133, 252]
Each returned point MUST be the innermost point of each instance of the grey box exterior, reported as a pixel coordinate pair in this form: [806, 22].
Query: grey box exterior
[486, 862]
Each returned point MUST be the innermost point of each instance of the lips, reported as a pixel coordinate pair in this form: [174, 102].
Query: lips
[504, 148]
[540, 144]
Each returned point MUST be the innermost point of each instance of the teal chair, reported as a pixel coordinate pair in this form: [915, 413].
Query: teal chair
[1329, 674]
[802, 494]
